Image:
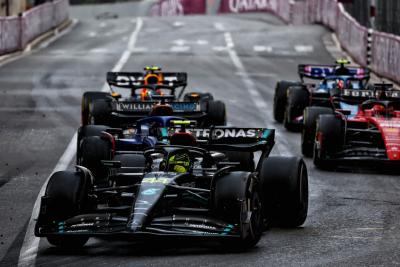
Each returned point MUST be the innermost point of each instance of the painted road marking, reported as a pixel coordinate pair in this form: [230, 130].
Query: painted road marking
[99, 50]
[140, 50]
[30, 246]
[179, 42]
[304, 48]
[178, 24]
[219, 26]
[255, 96]
[92, 34]
[262, 48]
[179, 49]
[202, 42]
[220, 48]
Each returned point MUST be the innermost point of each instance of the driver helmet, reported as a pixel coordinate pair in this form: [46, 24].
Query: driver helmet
[179, 163]
[146, 95]
[342, 70]
[340, 84]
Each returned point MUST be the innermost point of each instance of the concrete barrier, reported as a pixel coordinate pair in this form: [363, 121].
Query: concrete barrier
[178, 8]
[17, 32]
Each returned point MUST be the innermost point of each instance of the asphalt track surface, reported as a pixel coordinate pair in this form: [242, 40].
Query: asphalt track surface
[353, 217]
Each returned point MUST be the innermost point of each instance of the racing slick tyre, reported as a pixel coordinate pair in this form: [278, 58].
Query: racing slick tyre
[280, 98]
[87, 131]
[100, 111]
[329, 140]
[216, 113]
[310, 117]
[235, 197]
[67, 194]
[130, 161]
[87, 99]
[94, 149]
[246, 160]
[297, 100]
[284, 185]
[204, 97]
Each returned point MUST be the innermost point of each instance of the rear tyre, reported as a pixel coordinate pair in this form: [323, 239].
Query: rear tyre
[100, 110]
[68, 196]
[309, 124]
[284, 183]
[297, 100]
[236, 196]
[329, 141]
[280, 98]
[246, 160]
[87, 131]
[93, 150]
[87, 99]
[216, 113]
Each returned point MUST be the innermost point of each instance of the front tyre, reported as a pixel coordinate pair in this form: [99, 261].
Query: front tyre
[329, 141]
[237, 199]
[310, 117]
[68, 196]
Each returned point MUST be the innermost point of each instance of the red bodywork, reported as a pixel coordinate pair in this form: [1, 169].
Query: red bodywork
[388, 123]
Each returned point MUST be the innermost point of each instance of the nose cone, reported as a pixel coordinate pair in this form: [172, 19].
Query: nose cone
[150, 192]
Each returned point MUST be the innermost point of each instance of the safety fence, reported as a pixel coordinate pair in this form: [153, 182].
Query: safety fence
[17, 31]
[377, 50]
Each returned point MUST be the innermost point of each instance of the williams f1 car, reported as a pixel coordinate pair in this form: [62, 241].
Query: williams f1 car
[291, 98]
[133, 95]
[188, 191]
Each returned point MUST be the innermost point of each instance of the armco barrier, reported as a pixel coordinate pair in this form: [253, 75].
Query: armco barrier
[17, 32]
[386, 55]
[352, 36]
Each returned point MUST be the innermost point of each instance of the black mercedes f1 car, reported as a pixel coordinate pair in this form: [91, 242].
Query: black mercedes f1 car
[186, 191]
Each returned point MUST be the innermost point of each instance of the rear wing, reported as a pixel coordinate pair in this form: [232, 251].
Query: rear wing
[132, 79]
[320, 72]
[229, 138]
[378, 92]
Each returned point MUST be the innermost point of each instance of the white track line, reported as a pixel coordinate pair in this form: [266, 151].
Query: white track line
[29, 249]
[255, 96]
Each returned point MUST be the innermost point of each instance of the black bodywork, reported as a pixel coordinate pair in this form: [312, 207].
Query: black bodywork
[146, 201]
[118, 111]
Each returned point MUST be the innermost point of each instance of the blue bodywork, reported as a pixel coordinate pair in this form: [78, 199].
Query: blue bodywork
[331, 82]
[144, 135]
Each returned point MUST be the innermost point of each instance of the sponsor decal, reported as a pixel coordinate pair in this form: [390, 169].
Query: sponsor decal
[251, 5]
[371, 93]
[82, 225]
[185, 106]
[126, 80]
[143, 106]
[150, 191]
[123, 106]
[154, 180]
[201, 226]
[225, 133]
